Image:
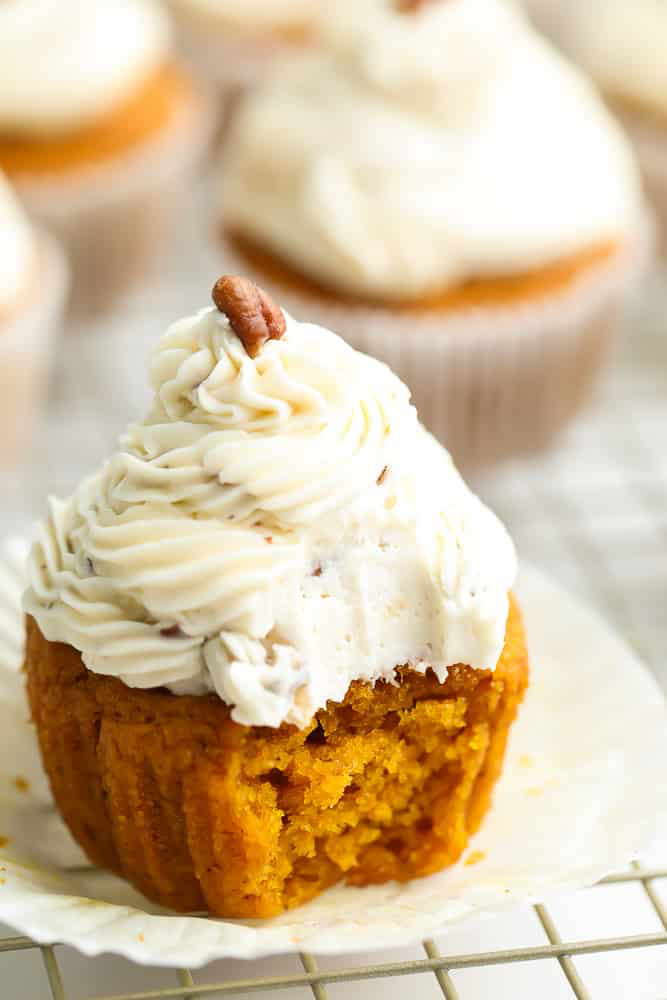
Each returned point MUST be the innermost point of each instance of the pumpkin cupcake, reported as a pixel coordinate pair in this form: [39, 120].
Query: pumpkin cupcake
[444, 190]
[622, 45]
[33, 285]
[271, 643]
[99, 129]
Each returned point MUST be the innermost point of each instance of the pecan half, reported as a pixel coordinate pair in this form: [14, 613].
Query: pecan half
[253, 315]
[411, 6]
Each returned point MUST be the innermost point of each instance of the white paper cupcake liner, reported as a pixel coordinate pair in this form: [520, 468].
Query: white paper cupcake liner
[491, 381]
[26, 347]
[649, 137]
[115, 218]
[583, 792]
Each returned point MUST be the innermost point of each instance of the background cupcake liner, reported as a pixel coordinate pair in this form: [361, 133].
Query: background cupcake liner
[649, 137]
[114, 219]
[26, 347]
[494, 381]
[582, 793]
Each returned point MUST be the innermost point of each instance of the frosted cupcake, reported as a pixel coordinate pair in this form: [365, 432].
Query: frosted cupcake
[271, 644]
[33, 284]
[622, 44]
[99, 130]
[232, 43]
[441, 187]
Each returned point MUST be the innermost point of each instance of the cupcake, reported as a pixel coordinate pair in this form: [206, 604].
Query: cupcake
[232, 43]
[271, 643]
[33, 285]
[622, 45]
[445, 191]
[101, 139]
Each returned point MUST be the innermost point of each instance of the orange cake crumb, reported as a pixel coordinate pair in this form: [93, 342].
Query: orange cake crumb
[495, 291]
[201, 813]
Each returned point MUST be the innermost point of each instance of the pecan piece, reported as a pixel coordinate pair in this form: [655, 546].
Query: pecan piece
[411, 6]
[253, 315]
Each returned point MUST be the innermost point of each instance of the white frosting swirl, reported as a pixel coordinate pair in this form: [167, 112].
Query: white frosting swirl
[17, 248]
[274, 529]
[65, 62]
[420, 150]
[263, 16]
[622, 44]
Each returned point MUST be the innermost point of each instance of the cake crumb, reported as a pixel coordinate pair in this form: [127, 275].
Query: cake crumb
[21, 784]
[526, 760]
[534, 791]
[141, 938]
[474, 858]
[4, 841]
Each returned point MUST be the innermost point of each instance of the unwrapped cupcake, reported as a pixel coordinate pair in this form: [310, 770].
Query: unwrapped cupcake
[443, 189]
[33, 287]
[622, 44]
[232, 43]
[99, 131]
[271, 642]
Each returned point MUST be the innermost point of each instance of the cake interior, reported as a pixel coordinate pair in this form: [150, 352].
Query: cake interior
[200, 813]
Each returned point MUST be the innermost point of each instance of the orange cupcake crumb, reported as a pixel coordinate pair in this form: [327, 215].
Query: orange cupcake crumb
[201, 813]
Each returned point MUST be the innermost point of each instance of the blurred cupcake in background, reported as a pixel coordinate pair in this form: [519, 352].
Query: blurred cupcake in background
[232, 43]
[99, 131]
[33, 284]
[622, 44]
[443, 188]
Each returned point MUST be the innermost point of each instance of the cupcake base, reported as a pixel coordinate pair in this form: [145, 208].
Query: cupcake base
[201, 813]
[115, 217]
[495, 368]
[26, 340]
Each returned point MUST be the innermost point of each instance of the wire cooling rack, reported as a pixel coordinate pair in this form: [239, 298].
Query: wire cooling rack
[556, 950]
[593, 512]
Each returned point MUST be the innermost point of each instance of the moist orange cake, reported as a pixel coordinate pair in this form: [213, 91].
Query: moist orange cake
[201, 813]
[523, 287]
[271, 644]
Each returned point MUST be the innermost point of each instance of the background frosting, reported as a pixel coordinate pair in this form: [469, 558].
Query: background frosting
[622, 44]
[17, 248]
[65, 62]
[275, 528]
[419, 150]
[258, 15]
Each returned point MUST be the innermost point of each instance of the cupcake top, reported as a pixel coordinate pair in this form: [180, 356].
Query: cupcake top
[263, 16]
[17, 248]
[425, 147]
[278, 526]
[63, 63]
[622, 44]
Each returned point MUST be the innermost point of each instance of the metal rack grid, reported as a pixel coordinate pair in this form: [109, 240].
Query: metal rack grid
[557, 950]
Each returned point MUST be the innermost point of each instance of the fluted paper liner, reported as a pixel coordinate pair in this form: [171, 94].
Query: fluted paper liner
[115, 219]
[490, 381]
[649, 137]
[583, 792]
